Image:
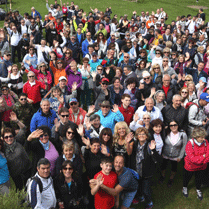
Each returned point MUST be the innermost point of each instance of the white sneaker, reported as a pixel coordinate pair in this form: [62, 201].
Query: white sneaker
[199, 195]
[185, 192]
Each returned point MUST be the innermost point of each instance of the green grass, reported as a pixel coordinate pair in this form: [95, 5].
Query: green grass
[163, 197]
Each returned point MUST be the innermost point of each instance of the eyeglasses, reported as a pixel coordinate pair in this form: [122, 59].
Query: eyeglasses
[59, 63]
[173, 54]
[10, 136]
[141, 134]
[31, 76]
[173, 125]
[65, 169]
[146, 78]
[165, 60]
[73, 103]
[126, 57]
[65, 116]
[4, 89]
[67, 52]
[30, 49]
[166, 52]
[23, 99]
[105, 134]
[44, 135]
[104, 84]
[146, 118]
[70, 132]
[105, 106]
[157, 53]
[42, 66]
[184, 92]
[187, 80]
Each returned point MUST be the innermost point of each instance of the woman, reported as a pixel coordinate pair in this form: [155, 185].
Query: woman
[192, 91]
[67, 187]
[17, 159]
[190, 49]
[7, 102]
[180, 65]
[156, 74]
[42, 145]
[142, 55]
[109, 72]
[188, 78]
[101, 40]
[116, 91]
[32, 57]
[67, 56]
[199, 55]
[39, 23]
[42, 74]
[144, 159]
[119, 74]
[156, 131]
[174, 58]
[16, 80]
[4, 174]
[55, 47]
[141, 67]
[156, 57]
[93, 126]
[122, 140]
[106, 140]
[136, 123]
[87, 83]
[196, 160]
[184, 92]
[173, 151]
[159, 99]
[68, 153]
[58, 70]
[24, 44]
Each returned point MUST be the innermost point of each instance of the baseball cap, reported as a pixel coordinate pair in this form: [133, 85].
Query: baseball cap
[204, 96]
[73, 99]
[62, 78]
[94, 54]
[105, 80]
[203, 79]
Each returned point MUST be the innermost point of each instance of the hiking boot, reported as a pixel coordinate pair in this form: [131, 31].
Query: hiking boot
[199, 195]
[149, 205]
[185, 192]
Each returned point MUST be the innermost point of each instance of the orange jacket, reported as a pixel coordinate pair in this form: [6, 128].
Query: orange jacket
[80, 117]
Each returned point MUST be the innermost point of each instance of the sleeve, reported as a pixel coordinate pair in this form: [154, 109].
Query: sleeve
[52, 67]
[34, 70]
[125, 181]
[33, 122]
[193, 111]
[64, 42]
[119, 116]
[67, 69]
[182, 152]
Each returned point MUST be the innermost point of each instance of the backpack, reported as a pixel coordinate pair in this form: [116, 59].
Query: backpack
[134, 173]
[189, 104]
[192, 142]
[107, 28]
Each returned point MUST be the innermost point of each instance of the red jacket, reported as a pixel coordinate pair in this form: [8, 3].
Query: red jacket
[194, 160]
[80, 117]
[127, 114]
[33, 92]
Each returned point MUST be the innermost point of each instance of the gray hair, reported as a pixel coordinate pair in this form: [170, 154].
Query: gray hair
[148, 99]
[176, 95]
[43, 161]
[166, 75]
[44, 100]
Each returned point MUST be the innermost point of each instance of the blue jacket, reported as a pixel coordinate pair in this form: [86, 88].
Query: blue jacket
[36, 14]
[110, 119]
[4, 174]
[4, 64]
[85, 47]
[40, 119]
[194, 73]
[113, 94]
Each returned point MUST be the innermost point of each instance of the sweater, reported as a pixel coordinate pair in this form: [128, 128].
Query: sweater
[4, 174]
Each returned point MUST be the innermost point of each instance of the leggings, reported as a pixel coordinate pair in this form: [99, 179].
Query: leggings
[198, 178]
[173, 164]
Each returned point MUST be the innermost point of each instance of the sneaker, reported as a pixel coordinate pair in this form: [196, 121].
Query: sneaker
[199, 195]
[170, 182]
[161, 179]
[141, 199]
[135, 201]
[185, 192]
[149, 205]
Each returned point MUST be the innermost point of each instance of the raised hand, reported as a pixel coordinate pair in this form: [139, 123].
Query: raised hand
[35, 134]
[91, 110]
[13, 116]
[129, 137]
[80, 129]
[115, 108]
[100, 180]
[61, 99]
[129, 87]
[86, 141]
[89, 69]
[74, 86]
[104, 149]
[56, 123]
[93, 74]
[136, 117]
[152, 145]
[87, 123]
[9, 69]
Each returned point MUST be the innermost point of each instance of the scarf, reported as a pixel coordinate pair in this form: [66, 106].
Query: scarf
[9, 148]
[139, 157]
[45, 146]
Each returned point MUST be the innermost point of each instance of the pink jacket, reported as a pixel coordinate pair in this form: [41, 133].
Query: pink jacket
[195, 159]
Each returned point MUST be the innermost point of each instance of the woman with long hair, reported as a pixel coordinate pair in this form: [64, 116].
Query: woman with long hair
[101, 40]
[184, 92]
[106, 140]
[156, 74]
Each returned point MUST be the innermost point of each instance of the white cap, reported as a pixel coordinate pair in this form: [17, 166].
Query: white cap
[62, 78]
[145, 74]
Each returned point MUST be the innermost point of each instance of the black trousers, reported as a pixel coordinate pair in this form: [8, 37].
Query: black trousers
[198, 178]
[18, 50]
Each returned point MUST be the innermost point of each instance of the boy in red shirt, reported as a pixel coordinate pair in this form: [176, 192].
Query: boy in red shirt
[103, 200]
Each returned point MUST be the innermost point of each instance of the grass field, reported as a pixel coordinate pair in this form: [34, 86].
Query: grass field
[163, 197]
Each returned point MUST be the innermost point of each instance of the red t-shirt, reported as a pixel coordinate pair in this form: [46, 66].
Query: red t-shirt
[165, 89]
[102, 200]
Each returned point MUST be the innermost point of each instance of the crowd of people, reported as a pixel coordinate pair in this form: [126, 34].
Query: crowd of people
[107, 100]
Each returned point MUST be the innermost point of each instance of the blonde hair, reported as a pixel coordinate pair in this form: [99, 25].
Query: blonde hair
[152, 72]
[199, 132]
[168, 44]
[69, 145]
[200, 48]
[116, 135]
[15, 65]
[190, 77]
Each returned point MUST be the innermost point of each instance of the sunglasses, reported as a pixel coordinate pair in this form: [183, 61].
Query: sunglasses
[65, 169]
[42, 66]
[31, 76]
[65, 116]
[5, 89]
[156, 68]
[99, 69]
[146, 118]
[67, 52]
[70, 132]
[59, 63]
[104, 84]
[73, 103]
[10, 136]
[8, 55]
[105, 106]
[23, 99]
[146, 78]
[165, 60]
[173, 54]
[105, 134]
[187, 80]
[126, 57]
[173, 125]
[157, 53]
[44, 135]
[184, 92]
[166, 52]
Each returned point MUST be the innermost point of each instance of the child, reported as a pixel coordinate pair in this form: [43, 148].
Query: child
[102, 199]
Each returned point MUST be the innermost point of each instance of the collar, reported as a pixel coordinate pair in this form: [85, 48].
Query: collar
[32, 83]
[145, 109]
[70, 159]
[198, 143]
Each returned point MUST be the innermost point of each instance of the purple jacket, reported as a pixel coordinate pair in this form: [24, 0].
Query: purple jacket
[73, 78]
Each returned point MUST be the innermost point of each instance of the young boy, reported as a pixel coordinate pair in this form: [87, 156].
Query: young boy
[103, 200]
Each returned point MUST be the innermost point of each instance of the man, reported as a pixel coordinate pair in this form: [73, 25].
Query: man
[196, 114]
[90, 51]
[149, 107]
[23, 28]
[5, 63]
[167, 36]
[168, 88]
[40, 189]
[191, 24]
[196, 73]
[74, 46]
[109, 118]
[102, 29]
[176, 112]
[24, 110]
[76, 113]
[51, 33]
[202, 41]
[88, 41]
[129, 74]
[127, 184]
[126, 62]
[51, 8]
[94, 62]
[15, 37]
[44, 116]
[126, 109]
[35, 34]
[4, 45]
[166, 69]
[157, 37]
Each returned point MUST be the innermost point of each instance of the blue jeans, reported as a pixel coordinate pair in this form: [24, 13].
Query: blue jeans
[127, 197]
